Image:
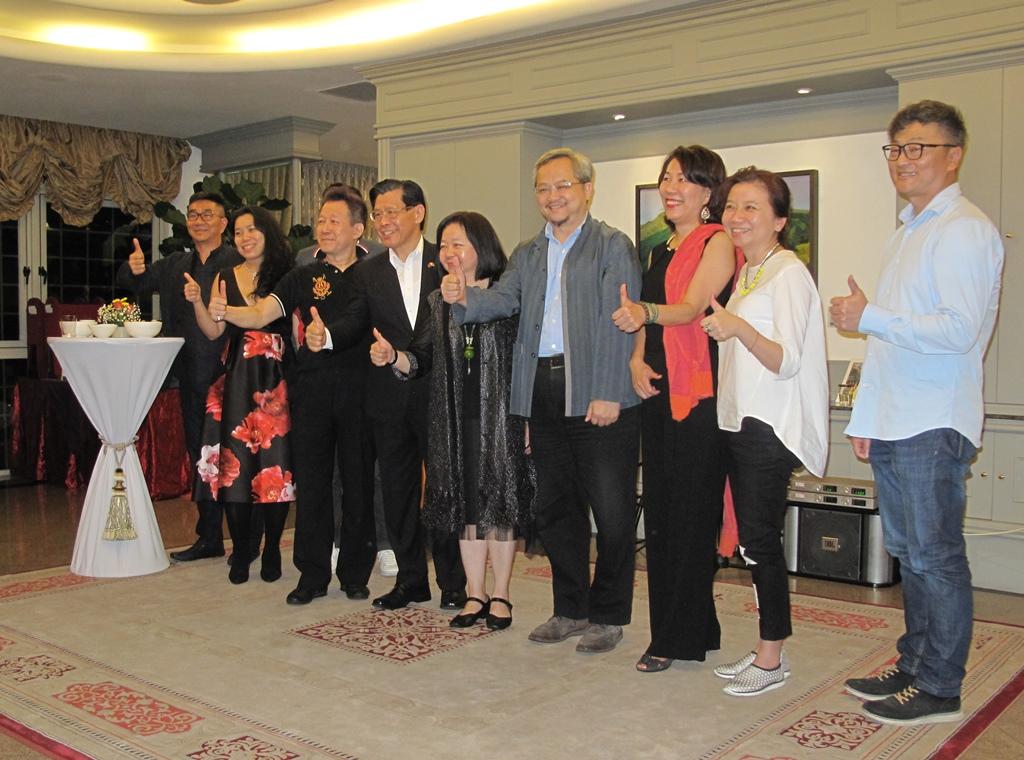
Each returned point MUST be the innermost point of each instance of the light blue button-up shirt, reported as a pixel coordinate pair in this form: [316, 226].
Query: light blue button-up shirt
[552, 335]
[930, 323]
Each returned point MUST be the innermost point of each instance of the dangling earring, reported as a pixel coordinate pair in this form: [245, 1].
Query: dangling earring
[705, 214]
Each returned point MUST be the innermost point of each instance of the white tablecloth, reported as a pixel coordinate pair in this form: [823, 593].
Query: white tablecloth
[116, 381]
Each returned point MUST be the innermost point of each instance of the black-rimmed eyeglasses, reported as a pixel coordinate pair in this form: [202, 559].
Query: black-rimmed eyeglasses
[912, 151]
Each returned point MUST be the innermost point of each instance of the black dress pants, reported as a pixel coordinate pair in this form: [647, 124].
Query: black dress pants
[401, 443]
[759, 470]
[328, 429]
[581, 466]
[209, 526]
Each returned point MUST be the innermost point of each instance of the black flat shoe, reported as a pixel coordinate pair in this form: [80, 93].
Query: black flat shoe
[305, 595]
[453, 600]
[499, 623]
[352, 591]
[270, 569]
[468, 619]
[648, 663]
[201, 549]
[400, 597]
[239, 572]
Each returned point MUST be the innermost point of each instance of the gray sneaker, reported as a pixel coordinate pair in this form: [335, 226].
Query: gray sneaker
[600, 637]
[733, 669]
[557, 628]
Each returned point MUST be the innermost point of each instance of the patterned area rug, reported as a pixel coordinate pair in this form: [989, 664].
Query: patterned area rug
[183, 665]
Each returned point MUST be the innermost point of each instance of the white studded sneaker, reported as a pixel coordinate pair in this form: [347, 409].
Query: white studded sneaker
[733, 669]
[753, 680]
[387, 564]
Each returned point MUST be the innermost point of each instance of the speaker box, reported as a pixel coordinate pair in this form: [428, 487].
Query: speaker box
[837, 544]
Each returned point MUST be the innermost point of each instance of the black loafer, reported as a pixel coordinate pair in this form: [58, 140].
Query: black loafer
[305, 595]
[201, 549]
[453, 600]
[353, 591]
[400, 596]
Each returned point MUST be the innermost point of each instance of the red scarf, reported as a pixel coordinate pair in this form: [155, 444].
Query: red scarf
[687, 357]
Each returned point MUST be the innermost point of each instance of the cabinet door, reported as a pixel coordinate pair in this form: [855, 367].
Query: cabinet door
[1008, 486]
[980, 480]
[1009, 345]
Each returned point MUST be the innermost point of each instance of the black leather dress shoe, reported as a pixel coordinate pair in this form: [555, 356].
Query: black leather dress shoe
[201, 549]
[353, 591]
[453, 600]
[400, 596]
[305, 595]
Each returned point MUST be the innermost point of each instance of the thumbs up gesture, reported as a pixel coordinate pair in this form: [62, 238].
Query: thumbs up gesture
[192, 292]
[722, 324]
[382, 353]
[453, 285]
[630, 316]
[136, 259]
[845, 311]
[218, 307]
[316, 331]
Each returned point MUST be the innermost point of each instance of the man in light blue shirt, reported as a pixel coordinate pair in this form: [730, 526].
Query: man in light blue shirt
[919, 409]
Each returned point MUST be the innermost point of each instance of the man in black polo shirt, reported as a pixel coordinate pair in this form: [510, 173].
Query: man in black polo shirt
[326, 392]
[196, 364]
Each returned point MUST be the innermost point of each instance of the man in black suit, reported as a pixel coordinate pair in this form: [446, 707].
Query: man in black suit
[390, 294]
[199, 359]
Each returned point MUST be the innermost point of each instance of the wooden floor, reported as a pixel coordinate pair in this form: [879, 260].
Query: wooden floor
[37, 531]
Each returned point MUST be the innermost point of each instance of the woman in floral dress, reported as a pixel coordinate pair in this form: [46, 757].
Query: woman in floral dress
[245, 460]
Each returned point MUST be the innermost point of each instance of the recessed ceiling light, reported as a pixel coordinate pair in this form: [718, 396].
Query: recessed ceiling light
[618, 116]
[804, 91]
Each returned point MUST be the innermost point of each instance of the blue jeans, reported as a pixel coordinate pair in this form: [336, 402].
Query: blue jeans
[921, 498]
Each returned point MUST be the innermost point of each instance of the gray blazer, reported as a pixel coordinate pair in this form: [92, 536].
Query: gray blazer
[596, 351]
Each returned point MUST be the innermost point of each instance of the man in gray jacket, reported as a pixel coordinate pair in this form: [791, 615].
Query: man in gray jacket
[570, 378]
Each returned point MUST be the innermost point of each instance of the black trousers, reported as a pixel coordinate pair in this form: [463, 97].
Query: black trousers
[759, 470]
[328, 429]
[580, 465]
[209, 526]
[401, 443]
[684, 483]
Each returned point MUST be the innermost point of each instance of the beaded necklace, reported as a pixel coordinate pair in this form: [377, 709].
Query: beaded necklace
[468, 349]
[743, 287]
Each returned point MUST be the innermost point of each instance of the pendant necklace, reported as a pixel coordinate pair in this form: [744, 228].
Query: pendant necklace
[468, 349]
[743, 287]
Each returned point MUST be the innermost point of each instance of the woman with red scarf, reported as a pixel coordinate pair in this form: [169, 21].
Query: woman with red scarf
[674, 369]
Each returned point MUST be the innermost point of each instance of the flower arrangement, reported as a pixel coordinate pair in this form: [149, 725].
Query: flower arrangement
[119, 311]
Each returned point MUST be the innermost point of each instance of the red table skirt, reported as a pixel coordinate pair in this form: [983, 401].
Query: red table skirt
[53, 440]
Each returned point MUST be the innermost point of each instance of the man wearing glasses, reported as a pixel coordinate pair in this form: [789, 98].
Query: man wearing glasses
[390, 294]
[919, 408]
[570, 378]
[196, 364]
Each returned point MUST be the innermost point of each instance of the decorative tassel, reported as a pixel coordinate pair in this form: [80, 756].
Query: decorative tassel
[119, 517]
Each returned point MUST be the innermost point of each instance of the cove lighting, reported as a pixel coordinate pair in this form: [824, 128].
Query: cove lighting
[804, 91]
[97, 38]
[376, 24]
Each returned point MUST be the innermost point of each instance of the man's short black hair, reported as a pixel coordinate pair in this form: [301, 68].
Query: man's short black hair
[412, 194]
[206, 195]
[931, 112]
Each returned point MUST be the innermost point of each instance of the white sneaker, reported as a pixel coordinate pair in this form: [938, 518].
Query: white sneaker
[753, 680]
[733, 669]
[387, 565]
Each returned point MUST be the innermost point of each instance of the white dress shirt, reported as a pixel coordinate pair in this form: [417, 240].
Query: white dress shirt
[930, 323]
[784, 307]
[409, 274]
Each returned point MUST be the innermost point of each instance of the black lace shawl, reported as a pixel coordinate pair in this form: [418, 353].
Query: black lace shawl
[508, 482]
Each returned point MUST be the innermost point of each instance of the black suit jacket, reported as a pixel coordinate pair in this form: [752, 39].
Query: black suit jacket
[376, 301]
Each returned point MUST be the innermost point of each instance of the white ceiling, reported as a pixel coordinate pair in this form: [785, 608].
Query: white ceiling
[194, 82]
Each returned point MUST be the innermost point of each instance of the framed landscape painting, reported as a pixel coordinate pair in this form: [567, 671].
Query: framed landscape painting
[651, 229]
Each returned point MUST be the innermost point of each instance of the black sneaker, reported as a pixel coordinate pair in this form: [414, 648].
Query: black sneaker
[912, 707]
[885, 684]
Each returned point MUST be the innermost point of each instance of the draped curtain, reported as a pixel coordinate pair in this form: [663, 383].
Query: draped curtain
[276, 181]
[81, 166]
[317, 175]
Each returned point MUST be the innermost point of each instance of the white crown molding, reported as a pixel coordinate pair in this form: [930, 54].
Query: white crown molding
[285, 124]
[488, 130]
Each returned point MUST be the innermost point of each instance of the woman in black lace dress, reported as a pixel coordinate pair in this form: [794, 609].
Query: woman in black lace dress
[245, 460]
[480, 480]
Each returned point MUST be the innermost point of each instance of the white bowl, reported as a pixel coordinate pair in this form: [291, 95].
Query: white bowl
[143, 329]
[84, 328]
[103, 330]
